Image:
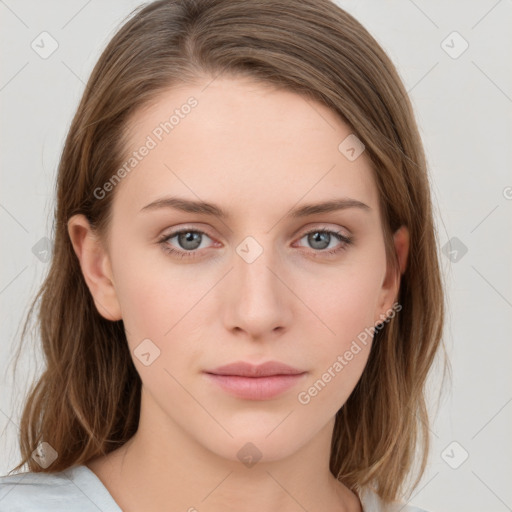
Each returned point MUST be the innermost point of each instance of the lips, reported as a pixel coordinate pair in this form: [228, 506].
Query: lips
[255, 382]
[243, 369]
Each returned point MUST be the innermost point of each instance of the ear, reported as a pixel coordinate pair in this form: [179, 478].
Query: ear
[96, 268]
[391, 284]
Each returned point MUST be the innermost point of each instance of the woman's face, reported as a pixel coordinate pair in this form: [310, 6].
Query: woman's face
[251, 286]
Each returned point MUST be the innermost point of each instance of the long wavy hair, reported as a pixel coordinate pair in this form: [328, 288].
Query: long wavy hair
[87, 400]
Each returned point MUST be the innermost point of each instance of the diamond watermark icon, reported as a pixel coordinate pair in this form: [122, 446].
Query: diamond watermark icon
[454, 249]
[249, 249]
[454, 45]
[44, 454]
[249, 455]
[42, 250]
[351, 147]
[146, 352]
[44, 45]
[454, 455]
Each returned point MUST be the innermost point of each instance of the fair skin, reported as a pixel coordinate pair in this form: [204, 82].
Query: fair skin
[241, 149]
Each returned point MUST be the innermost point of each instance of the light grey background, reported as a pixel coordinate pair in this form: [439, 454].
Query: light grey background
[463, 107]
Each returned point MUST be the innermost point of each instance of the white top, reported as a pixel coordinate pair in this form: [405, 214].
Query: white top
[78, 489]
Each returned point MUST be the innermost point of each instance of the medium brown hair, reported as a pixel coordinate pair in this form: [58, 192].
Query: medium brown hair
[87, 401]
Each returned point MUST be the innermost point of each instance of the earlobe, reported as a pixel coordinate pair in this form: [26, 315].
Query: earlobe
[95, 264]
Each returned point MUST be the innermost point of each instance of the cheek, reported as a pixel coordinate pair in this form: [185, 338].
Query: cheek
[339, 351]
[148, 297]
[165, 303]
[340, 333]
[344, 303]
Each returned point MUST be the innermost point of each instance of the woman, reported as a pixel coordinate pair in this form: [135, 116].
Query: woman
[244, 293]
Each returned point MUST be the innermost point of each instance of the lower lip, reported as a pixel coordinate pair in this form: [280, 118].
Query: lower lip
[256, 388]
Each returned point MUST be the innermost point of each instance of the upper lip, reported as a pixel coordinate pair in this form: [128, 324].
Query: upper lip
[243, 369]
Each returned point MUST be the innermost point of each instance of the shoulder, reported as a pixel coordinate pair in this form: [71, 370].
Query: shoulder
[371, 502]
[34, 491]
[75, 489]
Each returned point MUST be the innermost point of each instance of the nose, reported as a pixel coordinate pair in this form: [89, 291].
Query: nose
[257, 301]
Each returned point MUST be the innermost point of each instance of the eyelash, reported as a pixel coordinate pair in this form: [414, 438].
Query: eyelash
[346, 241]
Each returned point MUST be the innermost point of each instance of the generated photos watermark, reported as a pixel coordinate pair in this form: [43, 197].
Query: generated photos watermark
[304, 397]
[151, 142]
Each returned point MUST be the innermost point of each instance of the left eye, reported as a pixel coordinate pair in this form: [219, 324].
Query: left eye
[321, 238]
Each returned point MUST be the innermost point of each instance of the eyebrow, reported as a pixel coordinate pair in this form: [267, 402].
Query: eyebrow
[205, 208]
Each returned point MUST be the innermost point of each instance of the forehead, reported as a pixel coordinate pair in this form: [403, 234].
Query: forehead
[240, 142]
